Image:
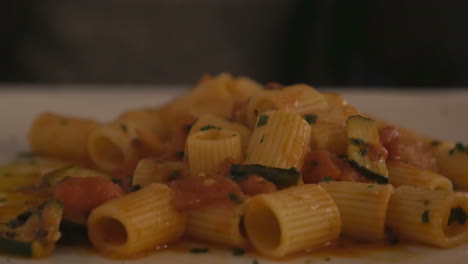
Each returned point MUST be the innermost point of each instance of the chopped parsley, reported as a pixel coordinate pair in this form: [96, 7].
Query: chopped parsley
[457, 214]
[3, 200]
[459, 147]
[261, 140]
[262, 120]
[233, 197]
[425, 217]
[175, 174]
[357, 141]
[207, 127]
[363, 152]
[315, 163]
[311, 119]
[179, 154]
[188, 127]
[124, 128]
[370, 186]
[238, 252]
[198, 250]
[327, 179]
[135, 188]
[117, 181]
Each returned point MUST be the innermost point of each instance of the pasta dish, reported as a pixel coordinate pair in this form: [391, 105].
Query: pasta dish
[273, 169]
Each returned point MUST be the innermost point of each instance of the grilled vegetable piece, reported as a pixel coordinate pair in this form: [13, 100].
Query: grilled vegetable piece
[34, 232]
[51, 178]
[365, 153]
[282, 178]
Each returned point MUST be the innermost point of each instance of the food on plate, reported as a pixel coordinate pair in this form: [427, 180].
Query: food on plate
[273, 169]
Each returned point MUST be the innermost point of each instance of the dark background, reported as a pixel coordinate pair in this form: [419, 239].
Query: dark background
[417, 43]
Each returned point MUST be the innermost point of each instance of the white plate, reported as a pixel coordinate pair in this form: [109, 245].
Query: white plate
[433, 113]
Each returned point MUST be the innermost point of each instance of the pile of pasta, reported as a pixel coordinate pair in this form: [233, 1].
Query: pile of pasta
[277, 169]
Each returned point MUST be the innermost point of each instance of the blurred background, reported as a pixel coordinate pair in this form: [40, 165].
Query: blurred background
[417, 43]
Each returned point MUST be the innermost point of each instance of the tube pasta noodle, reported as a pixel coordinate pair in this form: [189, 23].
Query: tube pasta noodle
[213, 95]
[300, 99]
[452, 163]
[150, 171]
[280, 140]
[207, 150]
[292, 220]
[123, 229]
[401, 173]
[210, 120]
[61, 136]
[427, 216]
[277, 169]
[362, 206]
[220, 225]
[111, 145]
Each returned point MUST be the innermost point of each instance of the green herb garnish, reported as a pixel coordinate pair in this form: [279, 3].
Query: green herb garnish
[124, 128]
[425, 217]
[207, 127]
[363, 152]
[179, 154]
[357, 141]
[261, 140]
[135, 188]
[311, 119]
[233, 197]
[262, 120]
[238, 251]
[198, 250]
[175, 174]
[327, 179]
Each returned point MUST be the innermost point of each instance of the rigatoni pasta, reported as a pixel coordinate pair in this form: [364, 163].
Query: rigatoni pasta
[61, 136]
[281, 170]
[280, 139]
[362, 206]
[292, 220]
[120, 228]
[432, 217]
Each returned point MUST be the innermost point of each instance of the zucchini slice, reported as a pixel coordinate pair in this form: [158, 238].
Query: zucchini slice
[364, 148]
[34, 232]
[282, 178]
[51, 178]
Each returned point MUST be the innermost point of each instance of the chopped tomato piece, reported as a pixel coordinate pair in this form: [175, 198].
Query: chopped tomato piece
[198, 192]
[81, 195]
[390, 139]
[418, 155]
[254, 184]
[318, 165]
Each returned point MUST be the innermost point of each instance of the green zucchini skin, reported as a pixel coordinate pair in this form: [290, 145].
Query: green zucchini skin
[16, 248]
[73, 233]
[368, 173]
[34, 235]
[282, 178]
[363, 138]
